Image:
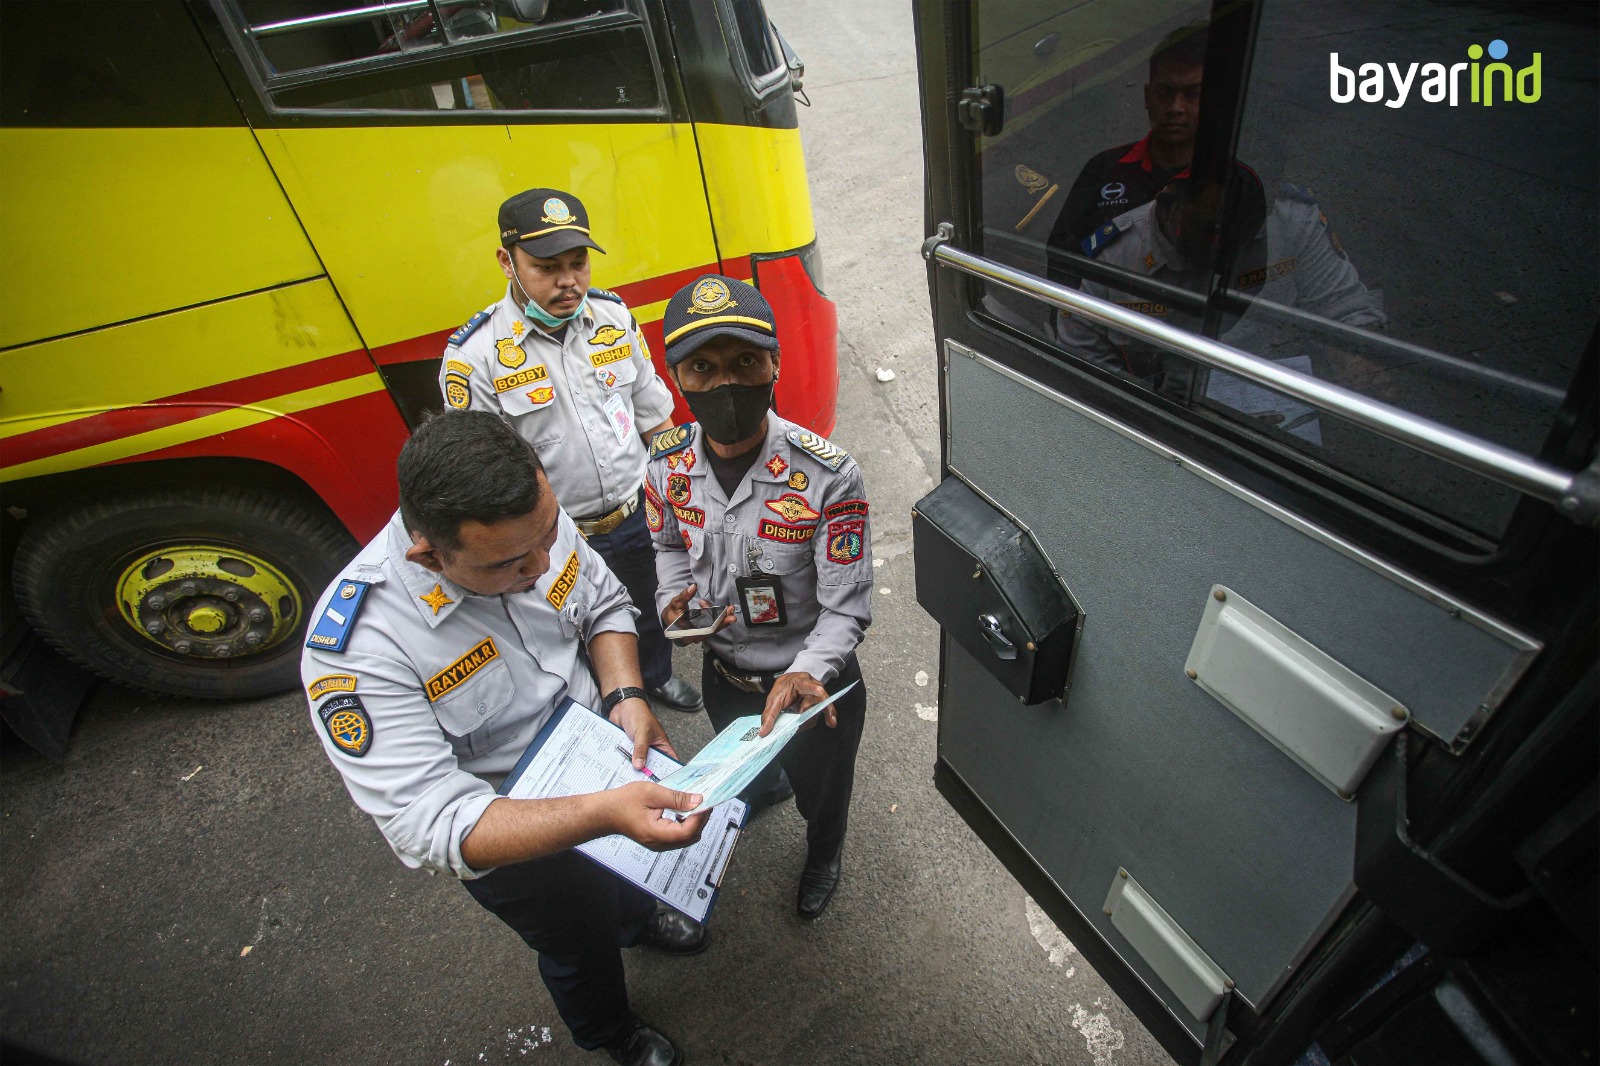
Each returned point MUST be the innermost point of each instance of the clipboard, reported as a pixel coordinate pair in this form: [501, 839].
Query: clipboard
[590, 754]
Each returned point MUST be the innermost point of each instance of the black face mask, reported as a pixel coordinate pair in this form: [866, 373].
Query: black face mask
[731, 413]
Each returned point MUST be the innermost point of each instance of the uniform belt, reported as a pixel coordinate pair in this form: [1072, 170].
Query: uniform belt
[740, 680]
[599, 527]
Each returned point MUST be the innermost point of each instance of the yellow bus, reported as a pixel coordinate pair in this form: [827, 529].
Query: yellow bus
[236, 233]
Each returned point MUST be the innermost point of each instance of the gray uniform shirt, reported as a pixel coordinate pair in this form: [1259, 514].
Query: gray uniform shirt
[799, 514]
[436, 687]
[582, 401]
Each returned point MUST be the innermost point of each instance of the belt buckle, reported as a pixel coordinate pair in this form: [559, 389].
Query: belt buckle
[743, 682]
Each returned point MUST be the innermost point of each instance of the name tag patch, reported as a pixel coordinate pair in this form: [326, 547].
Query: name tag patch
[482, 654]
[611, 355]
[564, 583]
[530, 376]
[786, 534]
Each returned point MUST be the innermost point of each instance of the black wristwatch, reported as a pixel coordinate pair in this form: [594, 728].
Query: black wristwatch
[617, 695]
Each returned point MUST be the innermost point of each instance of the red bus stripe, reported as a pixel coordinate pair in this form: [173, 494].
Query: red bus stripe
[171, 410]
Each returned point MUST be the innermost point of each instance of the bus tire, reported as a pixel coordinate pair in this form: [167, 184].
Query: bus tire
[198, 592]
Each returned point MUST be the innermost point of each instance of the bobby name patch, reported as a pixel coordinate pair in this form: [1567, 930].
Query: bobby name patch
[482, 653]
[522, 377]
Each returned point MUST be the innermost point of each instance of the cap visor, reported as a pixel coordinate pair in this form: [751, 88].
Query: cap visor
[687, 345]
[553, 244]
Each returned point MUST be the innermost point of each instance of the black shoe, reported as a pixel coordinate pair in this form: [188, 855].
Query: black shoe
[640, 1045]
[780, 792]
[817, 882]
[678, 695]
[673, 933]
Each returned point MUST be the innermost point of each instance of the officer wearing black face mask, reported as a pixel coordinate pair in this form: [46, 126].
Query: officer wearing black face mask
[754, 514]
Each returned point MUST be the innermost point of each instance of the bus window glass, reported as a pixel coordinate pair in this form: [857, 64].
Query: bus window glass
[1439, 258]
[427, 55]
[755, 37]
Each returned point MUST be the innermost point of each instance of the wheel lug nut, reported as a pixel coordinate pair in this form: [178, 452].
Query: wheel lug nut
[258, 614]
[157, 602]
[231, 595]
[224, 650]
[187, 588]
[154, 626]
[252, 639]
[182, 647]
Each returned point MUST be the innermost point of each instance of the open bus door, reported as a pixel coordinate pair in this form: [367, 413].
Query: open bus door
[1264, 553]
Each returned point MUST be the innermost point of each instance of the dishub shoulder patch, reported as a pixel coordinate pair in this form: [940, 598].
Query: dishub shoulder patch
[332, 631]
[468, 329]
[821, 449]
[669, 441]
[605, 294]
[1100, 239]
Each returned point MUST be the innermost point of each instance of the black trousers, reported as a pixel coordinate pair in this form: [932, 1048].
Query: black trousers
[578, 917]
[630, 555]
[820, 762]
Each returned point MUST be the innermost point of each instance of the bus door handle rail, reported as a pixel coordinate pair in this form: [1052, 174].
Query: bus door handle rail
[1575, 495]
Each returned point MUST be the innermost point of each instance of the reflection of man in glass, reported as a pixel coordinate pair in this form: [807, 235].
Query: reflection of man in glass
[1122, 178]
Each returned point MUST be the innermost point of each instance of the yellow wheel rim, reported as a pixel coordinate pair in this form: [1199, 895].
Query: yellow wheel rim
[208, 601]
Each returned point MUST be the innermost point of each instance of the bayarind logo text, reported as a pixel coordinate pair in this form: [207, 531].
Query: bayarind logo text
[1372, 83]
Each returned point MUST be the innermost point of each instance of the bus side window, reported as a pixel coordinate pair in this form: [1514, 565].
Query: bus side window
[520, 55]
[1372, 243]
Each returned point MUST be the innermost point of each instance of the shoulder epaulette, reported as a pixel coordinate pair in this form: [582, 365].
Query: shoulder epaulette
[821, 449]
[1290, 191]
[605, 294]
[1099, 240]
[332, 631]
[669, 441]
[468, 329]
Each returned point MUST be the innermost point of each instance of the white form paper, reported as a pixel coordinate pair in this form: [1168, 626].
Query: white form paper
[1291, 416]
[737, 754]
[584, 753]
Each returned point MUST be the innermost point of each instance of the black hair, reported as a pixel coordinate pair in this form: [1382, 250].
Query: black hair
[1185, 46]
[465, 464]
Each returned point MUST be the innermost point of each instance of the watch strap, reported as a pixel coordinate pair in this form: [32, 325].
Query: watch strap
[617, 695]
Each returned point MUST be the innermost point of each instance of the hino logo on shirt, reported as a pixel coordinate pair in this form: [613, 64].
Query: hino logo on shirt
[1372, 82]
[482, 653]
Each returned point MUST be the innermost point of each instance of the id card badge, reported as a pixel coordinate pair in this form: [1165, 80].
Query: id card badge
[761, 600]
[621, 421]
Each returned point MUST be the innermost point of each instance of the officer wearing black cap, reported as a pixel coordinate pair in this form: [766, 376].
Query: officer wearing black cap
[751, 511]
[569, 369]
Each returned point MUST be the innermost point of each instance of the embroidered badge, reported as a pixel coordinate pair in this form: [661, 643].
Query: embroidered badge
[331, 683]
[481, 654]
[511, 355]
[531, 376]
[826, 452]
[348, 725]
[776, 465]
[677, 489]
[468, 329]
[332, 631]
[540, 397]
[793, 508]
[709, 297]
[436, 599]
[844, 507]
[688, 545]
[1029, 178]
[556, 212]
[668, 441]
[611, 355]
[1149, 261]
[652, 509]
[564, 583]
[786, 534]
[798, 481]
[690, 516]
[845, 540]
[518, 329]
[607, 335]
[688, 459]
[456, 392]
[456, 366]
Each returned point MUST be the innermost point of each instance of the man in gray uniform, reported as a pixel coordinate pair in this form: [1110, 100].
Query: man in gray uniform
[568, 367]
[752, 512]
[434, 660]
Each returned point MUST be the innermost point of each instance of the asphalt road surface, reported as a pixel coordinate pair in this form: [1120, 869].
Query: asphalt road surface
[194, 885]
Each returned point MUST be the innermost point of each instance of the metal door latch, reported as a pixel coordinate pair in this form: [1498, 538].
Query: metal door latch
[980, 109]
[1003, 646]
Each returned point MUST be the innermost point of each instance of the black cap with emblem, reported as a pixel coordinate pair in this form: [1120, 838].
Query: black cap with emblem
[715, 306]
[544, 223]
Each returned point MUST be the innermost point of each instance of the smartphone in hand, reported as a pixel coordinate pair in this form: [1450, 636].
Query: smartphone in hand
[695, 622]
